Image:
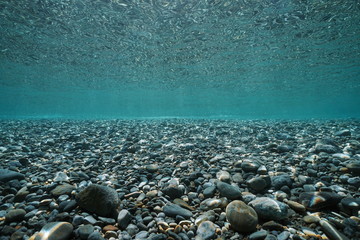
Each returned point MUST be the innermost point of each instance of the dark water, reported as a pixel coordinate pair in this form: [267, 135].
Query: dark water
[182, 58]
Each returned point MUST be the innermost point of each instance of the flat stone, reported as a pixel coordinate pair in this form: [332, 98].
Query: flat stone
[95, 236]
[354, 167]
[63, 189]
[270, 209]
[330, 231]
[229, 191]
[21, 194]
[98, 199]
[249, 166]
[85, 231]
[351, 203]
[172, 210]
[298, 207]
[152, 168]
[319, 200]
[61, 177]
[54, 231]
[15, 215]
[273, 226]
[7, 175]
[242, 217]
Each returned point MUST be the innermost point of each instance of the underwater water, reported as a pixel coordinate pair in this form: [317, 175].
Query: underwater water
[182, 58]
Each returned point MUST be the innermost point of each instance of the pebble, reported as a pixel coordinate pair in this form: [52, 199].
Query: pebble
[98, 199]
[54, 231]
[229, 191]
[172, 210]
[205, 231]
[319, 200]
[123, 219]
[7, 175]
[85, 231]
[242, 217]
[270, 209]
[15, 215]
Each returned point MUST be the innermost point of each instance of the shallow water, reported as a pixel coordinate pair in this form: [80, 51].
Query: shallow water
[204, 59]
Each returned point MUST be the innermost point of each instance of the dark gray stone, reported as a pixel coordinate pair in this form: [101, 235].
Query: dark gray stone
[172, 210]
[229, 191]
[8, 175]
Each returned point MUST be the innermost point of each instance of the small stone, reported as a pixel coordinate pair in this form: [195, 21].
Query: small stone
[152, 168]
[15, 215]
[330, 231]
[110, 228]
[242, 217]
[259, 235]
[183, 204]
[95, 236]
[85, 231]
[172, 210]
[123, 219]
[268, 208]
[342, 133]
[209, 191]
[21, 194]
[351, 203]
[354, 167]
[258, 184]
[262, 170]
[311, 219]
[99, 199]
[325, 148]
[173, 190]
[7, 175]
[207, 216]
[281, 180]
[205, 231]
[223, 176]
[319, 200]
[249, 166]
[55, 231]
[61, 177]
[229, 191]
[298, 207]
[63, 189]
[273, 226]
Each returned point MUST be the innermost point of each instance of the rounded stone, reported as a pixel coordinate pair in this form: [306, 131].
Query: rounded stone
[99, 199]
[205, 231]
[85, 231]
[55, 231]
[15, 215]
[229, 191]
[242, 217]
[268, 208]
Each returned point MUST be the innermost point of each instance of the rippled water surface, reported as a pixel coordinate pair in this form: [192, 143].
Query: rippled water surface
[181, 58]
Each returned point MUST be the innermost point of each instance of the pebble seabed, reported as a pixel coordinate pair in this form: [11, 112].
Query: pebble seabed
[173, 179]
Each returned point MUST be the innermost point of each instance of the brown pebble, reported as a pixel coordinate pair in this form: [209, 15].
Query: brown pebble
[298, 207]
[311, 219]
[110, 228]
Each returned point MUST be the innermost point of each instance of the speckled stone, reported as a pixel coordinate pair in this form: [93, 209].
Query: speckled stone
[242, 217]
[205, 231]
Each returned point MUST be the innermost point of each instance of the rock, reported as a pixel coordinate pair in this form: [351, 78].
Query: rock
[205, 231]
[330, 231]
[173, 190]
[98, 199]
[229, 191]
[152, 168]
[283, 148]
[281, 180]
[172, 210]
[85, 231]
[249, 166]
[95, 236]
[223, 176]
[259, 235]
[207, 216]
[15, 215]
[342, 133]
[273, 226]
[354, 181]
[325, 148]
[319, 200]
[63, 189]
[354, 167]
[242, 217]
[268, 208]
[351, 203]
[209, 191]
[7, 175]
[123, 219]
[183, 204]
[258, 184]
[21, 194]
[212, 203]
[61, 177]
[311, 219]
[298, 207]
[55, 231]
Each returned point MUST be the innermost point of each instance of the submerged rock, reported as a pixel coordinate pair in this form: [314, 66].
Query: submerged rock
[242, 217]
[98, 199]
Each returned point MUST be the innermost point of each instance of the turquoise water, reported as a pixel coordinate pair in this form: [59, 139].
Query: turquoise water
[185, 58]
